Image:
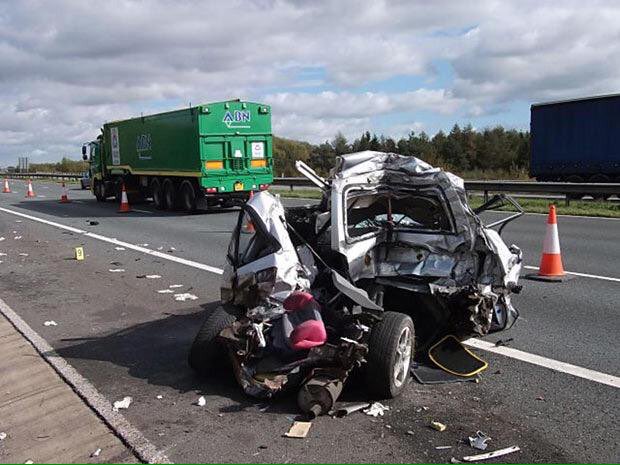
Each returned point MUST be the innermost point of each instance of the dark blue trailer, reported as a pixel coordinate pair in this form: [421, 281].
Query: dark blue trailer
[576, 140]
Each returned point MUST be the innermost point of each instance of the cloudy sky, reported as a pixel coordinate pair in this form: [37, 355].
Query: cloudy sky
[386, 66]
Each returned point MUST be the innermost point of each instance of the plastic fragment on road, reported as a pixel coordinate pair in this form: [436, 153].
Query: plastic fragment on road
[119, 248]
[96, 453]
[159, 396]
[479, 441]
[143, 245]
[29, 462]
[2, 435]
[299, 430]
[23, 254]
[345, 410]
[17, 238]
[152, 276]
[376, 409]
[491, 455]
[119, 404]
[160, 248]
[436, 425]
[184, 297]
[1, 239]
[2, 254]
[165, 291]
[201, 401]
[116, 270]
[50, 323]
[442, 447]
[175, 286]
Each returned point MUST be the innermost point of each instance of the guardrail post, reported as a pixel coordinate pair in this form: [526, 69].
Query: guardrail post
[291, 187]
[486, 196]
[567, 200]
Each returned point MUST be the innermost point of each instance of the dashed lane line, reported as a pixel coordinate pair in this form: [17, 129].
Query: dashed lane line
[534, 359]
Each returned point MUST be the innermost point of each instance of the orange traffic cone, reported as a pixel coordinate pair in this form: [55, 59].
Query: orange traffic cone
[64, 198]
[551, 268]
[7, 189]
[30, 192]
[124, 207]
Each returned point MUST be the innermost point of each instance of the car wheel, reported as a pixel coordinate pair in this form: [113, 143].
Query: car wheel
[170, 195]
[156, 192]
[99, 191]
[207, 352]
[188, 196]
[390, 351]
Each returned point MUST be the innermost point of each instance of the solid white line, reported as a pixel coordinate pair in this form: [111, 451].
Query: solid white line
[131, 436]
[513, 353]
[574, 370]
[584, 275]
[561, 216]
[115, 241]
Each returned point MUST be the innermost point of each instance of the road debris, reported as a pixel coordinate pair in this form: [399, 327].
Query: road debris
[2, 254]
[3, 436]
[152, 276]
[96, 453]
[345, 410]
[201, 401]
[504, 342]
[23, 254]
[376, 409]
[116, 270]
[184, 297]
[298, 430]
[29, 462]
[143, 245]
[436, 425]
[17, 238]
[122, 404]
[1, 239]
[159, 396]
[50, 323]
[442, 447]
[160, 248]
[119, 248]
[479, 441]
[166, 291]
[93, 223]
[491, 455]
[175, 286]
[18, 221]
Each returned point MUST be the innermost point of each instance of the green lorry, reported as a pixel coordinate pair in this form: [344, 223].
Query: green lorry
[197, 157]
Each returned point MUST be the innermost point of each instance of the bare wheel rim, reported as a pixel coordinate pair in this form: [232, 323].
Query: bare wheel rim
[403, 357]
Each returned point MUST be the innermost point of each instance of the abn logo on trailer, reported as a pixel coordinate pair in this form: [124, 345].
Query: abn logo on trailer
[238, 119]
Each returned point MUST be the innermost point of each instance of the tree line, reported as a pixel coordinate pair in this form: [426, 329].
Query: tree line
[492, 152]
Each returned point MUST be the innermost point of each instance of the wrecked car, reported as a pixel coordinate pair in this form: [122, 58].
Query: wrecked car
[389, 261]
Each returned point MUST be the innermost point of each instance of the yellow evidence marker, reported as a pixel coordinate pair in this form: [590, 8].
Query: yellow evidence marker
[79, 253]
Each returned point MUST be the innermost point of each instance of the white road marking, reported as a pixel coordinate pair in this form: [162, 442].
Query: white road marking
[584, 275]
[506, 351]
[131, 436]
[574, 370]
[559, 215]
[115, 241]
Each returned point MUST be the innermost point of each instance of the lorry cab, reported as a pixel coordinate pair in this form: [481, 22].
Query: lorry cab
[91, 152]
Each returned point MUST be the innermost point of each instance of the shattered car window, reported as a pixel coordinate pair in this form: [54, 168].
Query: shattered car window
[369, 212]
[249, 242]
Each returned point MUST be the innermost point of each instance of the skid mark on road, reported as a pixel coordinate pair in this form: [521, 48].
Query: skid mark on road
[534, 359]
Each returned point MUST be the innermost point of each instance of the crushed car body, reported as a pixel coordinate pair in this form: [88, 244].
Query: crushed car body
[392, 254]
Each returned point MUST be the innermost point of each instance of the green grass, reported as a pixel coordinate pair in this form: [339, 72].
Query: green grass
[576, 207]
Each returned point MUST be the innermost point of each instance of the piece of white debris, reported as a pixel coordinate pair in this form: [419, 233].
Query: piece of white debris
[184, 297]
[96, 453]
[160, 248]
[376, 409]
[143, 245]
[23, 254]
[491, 455]
[159, 396]
[479, 441]
[50, 323]
[17, 238]
[443, 447]
[116, 270]
[165, 291]
[172, 248]
[18, 221]
[119, 248]
[1, 239]
[201, 401]
[175, 286]
[2, 254]
[125, 403]
[153, 276]
[2, 436]
[29, 462]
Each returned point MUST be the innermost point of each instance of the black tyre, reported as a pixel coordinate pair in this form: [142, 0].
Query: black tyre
[188, 196]
[390, 351]
[207, 352]
[158, 196]
[99, 191]
[170, 194]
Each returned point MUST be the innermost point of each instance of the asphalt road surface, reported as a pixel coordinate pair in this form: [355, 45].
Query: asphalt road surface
[124, 337]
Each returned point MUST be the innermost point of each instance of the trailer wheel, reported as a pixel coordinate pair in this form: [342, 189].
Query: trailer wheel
[170, 195]
[188, 196]
[156, 192]
[390, 351]
[99, 191]
[207, 351]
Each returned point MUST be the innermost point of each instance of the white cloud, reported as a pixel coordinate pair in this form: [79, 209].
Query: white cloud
[66, 66]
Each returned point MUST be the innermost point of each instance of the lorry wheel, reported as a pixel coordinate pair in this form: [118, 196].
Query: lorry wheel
[188, 196]
[156, 192]
[207, 352]
[170, 195]
[99, 191]
[390, 351]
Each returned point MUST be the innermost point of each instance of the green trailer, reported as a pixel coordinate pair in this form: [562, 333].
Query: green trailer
[197, 157]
